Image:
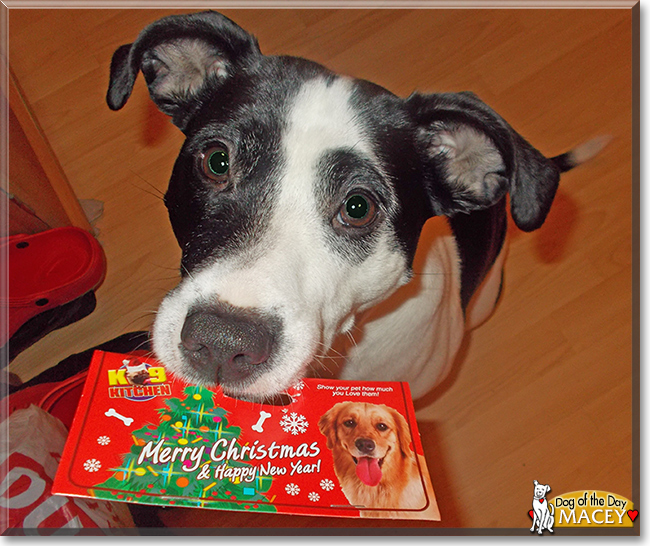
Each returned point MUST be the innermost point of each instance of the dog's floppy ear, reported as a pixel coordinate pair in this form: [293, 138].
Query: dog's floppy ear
[478, 158]
[180, 56]
[327, 425]
[403, 432]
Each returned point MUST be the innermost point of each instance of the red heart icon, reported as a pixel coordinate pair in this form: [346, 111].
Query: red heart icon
[632, 514]
[541, 501]
[530, 513]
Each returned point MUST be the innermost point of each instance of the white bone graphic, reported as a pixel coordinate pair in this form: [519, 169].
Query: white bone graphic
[263, 417]
[126, 420]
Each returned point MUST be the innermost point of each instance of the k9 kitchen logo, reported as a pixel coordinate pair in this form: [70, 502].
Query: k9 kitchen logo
[588, 508]
[138, 381]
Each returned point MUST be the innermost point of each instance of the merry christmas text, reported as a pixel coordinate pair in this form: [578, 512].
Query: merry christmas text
[223, 450]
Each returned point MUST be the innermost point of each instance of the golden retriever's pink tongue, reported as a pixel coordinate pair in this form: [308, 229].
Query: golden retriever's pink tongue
[368, 470]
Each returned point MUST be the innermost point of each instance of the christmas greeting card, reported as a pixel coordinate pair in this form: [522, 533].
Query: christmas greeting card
[336, 448]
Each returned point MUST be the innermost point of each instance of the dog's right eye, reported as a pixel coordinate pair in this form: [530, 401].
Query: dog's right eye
[349, 423]
[215, 164]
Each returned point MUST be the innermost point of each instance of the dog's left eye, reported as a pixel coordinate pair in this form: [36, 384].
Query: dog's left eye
[382, 427]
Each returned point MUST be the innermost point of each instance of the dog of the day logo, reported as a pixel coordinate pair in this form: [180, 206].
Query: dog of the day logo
[587, 508]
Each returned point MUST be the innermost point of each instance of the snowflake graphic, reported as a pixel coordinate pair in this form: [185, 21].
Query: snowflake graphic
[294, 423]
[299, 386]
[103, 440]
[92, 465]
[327, 485]
[292, 489]
[313, 496]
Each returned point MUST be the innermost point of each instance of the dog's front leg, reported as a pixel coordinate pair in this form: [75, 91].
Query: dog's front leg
[535, 520]
[548, 522]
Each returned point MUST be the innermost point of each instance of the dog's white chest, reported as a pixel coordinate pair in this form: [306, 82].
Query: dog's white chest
[414, 335]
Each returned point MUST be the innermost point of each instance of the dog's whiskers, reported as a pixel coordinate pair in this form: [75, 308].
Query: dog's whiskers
[317, 367]
[141, 316]
[326, 363]
[146, 191]
[328, 350]
[158, 193]
[142, 344]
[187, 271]
[157, 190]
[351, 338]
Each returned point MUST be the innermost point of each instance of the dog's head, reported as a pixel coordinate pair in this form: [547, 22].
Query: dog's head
[540, 490]
[136, 372]
[366, 436]
[299, 195]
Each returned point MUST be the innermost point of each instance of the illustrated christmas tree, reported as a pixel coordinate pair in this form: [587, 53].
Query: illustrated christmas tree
[192, 422]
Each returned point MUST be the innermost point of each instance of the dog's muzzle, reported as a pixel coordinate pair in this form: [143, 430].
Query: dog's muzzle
[228, 346]
[368, 466]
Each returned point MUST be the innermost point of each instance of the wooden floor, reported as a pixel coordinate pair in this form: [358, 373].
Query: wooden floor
[544, 389]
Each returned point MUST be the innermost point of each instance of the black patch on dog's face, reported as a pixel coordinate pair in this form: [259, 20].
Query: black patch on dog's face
[344, 173]
[391, 132]
[245, 117]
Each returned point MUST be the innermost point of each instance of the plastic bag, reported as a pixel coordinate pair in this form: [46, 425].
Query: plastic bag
[30, 451]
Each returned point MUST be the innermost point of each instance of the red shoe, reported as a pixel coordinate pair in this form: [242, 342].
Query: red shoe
[47, 270]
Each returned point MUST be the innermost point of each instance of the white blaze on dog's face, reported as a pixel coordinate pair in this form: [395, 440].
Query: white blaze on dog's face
[305, 270]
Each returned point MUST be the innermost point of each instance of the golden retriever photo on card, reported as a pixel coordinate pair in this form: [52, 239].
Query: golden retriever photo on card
[373, 459]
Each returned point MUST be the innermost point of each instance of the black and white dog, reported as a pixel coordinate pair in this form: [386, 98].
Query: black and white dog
[299, 198]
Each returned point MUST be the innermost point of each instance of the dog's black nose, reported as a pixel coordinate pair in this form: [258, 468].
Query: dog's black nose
[364, 445]
[227, 346]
